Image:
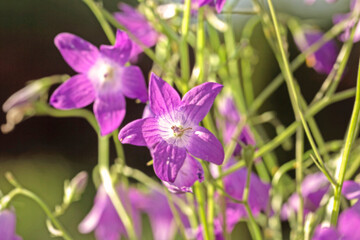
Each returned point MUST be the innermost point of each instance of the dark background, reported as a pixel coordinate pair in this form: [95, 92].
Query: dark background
[42, 152]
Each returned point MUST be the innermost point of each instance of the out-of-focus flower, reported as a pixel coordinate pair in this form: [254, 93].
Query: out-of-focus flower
[75, 187]
[103, 218]
[7, 225]
[349, 220]
[20, 105]
[174, 135]
[139, 26]
[354, 7]
[259, 193]
[313, 189]
[103, 79]
[218, 4]
[156, 206]
[324, 58]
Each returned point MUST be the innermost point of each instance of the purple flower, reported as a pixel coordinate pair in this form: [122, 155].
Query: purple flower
[139, 26]
[350, 24]
[234, 186]
[103, 218]
[218, 4]
[162, 221]
[324, 58]
[311, 2]
[7, 225]
[313, 189]
[230, 121]
[102, 79]
[173, 134]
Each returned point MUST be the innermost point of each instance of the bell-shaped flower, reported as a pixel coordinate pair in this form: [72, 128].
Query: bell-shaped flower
[102, 78]
[324, 58]
[139, 26]
[313, 189]
[173, 135]
[7, 225]
[103, 218]
[218, 4]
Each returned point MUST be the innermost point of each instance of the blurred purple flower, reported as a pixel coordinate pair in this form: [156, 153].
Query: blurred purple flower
[218, 4]
[259, 193]
[139, 26]
[7, 225]
[311, 2]
[103, 218]
[351, 23]
[229, 123]
[162, 221]
[174, 134]
[313, 189]
[103, 79]
[324, 58]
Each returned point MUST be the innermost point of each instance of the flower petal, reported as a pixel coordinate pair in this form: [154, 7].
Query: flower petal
[133, 83]
[77, 92]
[197, 102]
[132, 133]
[326, 233]
[203, 144]
[351, 190]
[7, 224]
[189, 173]
[78, 53]
[168, 159]
[120, 52]
[109, 112]
[349, 222]
[219, 5]
[163, 97]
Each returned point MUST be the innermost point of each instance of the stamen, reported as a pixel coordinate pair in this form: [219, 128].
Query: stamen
[179, 131]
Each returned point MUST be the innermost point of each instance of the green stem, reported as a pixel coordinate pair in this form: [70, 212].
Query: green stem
[291, 83]
[44, 207]
[299, 146]
[199, 194]
[184, 51]
[279, 139]
[200, 46]
[42, 109]
[100, 17]
[295, 64]
[345, 156]
[109, 186]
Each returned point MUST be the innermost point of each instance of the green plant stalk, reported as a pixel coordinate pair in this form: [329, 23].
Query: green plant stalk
[184, 51]
[109, 186]
[210, 209]
[279, 139]
[176, 215]
[200, 197]
[295, 64]
[200, 45]
[299, 151]
[43, 109]
[291, 84]
[233, 68]
[101, 19]
[345, 156]
[253, 227]
[43, 206]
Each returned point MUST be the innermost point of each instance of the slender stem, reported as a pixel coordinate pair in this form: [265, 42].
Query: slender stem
[109, 186]
[42, 204]
[184, 51]
[200, 46]
[199, 194]
[279, 139]
[176, 215]
[291, 83]
[210, 209]
[43, 109]
[345, 156]
[100, 17]
[299, 178]
[118, 147]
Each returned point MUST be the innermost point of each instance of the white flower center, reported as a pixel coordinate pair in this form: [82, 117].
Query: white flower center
[175, 131]
[104, 73]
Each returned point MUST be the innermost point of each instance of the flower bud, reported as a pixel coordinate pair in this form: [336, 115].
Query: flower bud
[74, 189]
